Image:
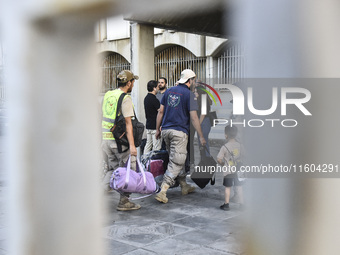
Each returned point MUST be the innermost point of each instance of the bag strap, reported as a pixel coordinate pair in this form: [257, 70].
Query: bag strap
[140, 168]
[119, 105]
[136, 198]
[128, 169]
[232, 155]
[127, 178]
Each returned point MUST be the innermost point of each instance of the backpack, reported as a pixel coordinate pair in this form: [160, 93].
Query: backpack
[119, 128]
[238, 163]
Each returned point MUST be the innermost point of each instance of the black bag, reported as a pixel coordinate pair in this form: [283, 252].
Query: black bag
[205, 171]
[142, 146]
[212, 116]
[119, 128]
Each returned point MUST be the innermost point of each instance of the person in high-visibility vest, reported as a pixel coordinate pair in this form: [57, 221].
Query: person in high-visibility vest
[126, 80]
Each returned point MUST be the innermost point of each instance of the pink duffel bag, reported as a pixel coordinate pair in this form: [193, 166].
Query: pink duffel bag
[124, 179]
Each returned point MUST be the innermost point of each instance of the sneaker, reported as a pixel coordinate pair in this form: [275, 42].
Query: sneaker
[225, 207]
[127, 206]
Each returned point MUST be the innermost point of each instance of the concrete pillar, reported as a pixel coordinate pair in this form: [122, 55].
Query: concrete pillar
[289, 39]
[211, 70]
[102, 30]
[202, 43]
[271, 213]
[142, 64]
[54, 135]
[321, 54]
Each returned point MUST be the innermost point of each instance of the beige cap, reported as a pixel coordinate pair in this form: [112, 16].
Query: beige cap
[186, 74]
[126, 75]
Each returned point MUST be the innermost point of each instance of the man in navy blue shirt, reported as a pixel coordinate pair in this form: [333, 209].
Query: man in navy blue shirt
[177, 108]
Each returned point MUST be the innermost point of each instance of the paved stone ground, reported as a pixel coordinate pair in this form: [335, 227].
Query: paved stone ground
[191, 224]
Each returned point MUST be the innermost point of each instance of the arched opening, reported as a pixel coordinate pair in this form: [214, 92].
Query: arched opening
[111, 64]
[170, 62]
[230, 63]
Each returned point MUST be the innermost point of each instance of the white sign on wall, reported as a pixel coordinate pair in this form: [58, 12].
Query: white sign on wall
[117, 28]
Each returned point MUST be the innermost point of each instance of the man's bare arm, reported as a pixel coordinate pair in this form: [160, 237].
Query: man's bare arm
[159, 121]
[197, 126]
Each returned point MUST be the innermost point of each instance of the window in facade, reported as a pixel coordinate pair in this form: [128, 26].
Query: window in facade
[170, 62]
[230, 65]
[111, 66]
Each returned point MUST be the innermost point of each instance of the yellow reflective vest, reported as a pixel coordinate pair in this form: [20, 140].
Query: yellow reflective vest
[109, 109]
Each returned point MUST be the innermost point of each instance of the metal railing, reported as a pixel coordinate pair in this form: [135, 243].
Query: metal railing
[111, 66]
[170, 62]
[231, 66]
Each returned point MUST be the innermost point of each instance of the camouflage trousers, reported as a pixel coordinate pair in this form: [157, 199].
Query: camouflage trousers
[176, 144]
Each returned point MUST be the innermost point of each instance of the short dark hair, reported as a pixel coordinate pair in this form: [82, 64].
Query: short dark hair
[151, 85]
[166, 81]
[189, 80]
[122, 84]
[230, 131]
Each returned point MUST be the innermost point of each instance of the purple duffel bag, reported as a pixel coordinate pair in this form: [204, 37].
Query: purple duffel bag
[124, 179]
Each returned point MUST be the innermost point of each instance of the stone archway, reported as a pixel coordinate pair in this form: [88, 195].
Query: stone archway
[111, 64]
[230, 63]
[170, 62]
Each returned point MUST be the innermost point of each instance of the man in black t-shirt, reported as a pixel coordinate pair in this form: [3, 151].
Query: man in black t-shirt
[151, 106]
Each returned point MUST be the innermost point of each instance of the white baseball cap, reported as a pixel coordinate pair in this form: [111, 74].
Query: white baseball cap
[186, 74]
